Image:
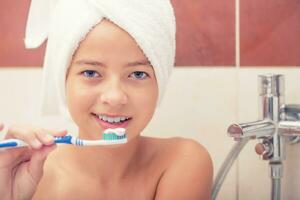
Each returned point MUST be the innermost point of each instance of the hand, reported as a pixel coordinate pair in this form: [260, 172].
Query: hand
[22, 168]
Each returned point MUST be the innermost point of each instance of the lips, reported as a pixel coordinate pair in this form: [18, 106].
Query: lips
[107, 122]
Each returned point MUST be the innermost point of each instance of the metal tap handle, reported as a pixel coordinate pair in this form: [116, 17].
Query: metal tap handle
[290, 112]
[289, 128]
[257, 129]
[265, 149]
[292, 108]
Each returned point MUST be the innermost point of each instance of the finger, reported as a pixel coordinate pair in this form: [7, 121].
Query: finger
[35, 137]
[12, 157]
[46, 137]
[35, 167]
[26, 134]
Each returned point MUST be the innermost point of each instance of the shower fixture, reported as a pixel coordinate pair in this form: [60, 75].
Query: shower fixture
[278, 124]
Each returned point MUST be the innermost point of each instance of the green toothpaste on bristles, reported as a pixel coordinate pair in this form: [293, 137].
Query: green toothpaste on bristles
[114, 134]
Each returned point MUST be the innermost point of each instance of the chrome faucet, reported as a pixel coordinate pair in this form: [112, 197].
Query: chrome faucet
[278, 123]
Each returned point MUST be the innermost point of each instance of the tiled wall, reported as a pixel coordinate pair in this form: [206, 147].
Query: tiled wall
[205, 34]
[208, 32]
[269, 32]
[13, 17]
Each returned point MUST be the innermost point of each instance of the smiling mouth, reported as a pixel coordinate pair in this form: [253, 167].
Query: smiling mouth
[112, 122]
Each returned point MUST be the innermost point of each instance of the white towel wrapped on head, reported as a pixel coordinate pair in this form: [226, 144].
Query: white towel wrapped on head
[66, 22]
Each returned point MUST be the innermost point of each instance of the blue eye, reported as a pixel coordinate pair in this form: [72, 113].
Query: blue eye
[139, 75]
[90, 74]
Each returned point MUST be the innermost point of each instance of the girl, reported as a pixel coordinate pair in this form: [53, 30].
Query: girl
[113, 78]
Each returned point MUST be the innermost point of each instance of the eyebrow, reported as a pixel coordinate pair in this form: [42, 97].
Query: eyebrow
[98, 63]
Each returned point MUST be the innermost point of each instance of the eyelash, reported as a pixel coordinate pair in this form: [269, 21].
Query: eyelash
[94, 74]
[87, 73]
[145, 75]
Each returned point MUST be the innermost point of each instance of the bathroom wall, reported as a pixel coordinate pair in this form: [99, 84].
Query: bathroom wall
[205, 34]
[215, 84]
[269, 33]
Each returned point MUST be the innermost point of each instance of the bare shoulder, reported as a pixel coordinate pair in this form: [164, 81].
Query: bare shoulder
[182, 149]
[190, 152]
[190, 147]
[177, 150]
[190, 171]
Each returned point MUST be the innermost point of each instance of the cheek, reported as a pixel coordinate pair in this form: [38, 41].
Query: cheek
[79, 99]
[146, 99]
[144, 108]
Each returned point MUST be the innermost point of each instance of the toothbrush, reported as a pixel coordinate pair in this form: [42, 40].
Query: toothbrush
[109, 137]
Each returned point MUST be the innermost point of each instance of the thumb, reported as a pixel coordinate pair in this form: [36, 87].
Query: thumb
[37, 161]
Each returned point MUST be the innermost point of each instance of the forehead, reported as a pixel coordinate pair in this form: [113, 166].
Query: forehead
[108, 39]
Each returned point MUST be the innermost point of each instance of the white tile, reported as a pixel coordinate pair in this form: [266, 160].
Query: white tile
[20, 97]
[20, 92]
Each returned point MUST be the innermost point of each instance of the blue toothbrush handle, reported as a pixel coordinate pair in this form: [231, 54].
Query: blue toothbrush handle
[63, 140]
[12, 143]
[15, 143]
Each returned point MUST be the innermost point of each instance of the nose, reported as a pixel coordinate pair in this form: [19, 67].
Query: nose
[113, 93]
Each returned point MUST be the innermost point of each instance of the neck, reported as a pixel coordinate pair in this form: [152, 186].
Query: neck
[108, 162]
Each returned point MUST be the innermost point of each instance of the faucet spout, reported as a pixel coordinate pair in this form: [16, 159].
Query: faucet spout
[253, 130]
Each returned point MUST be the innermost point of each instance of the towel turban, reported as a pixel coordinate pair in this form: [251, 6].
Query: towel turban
[66, 22]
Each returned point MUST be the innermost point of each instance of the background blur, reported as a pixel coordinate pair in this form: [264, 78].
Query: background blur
[221, 48]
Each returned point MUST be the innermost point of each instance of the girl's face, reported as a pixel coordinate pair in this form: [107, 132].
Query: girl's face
[110, 83]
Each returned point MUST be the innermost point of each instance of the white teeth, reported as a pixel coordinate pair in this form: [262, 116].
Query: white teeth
[117, 119]
[103, 117]
[112, 119]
